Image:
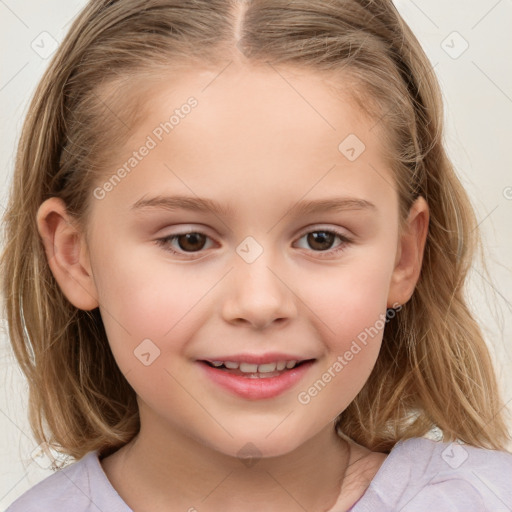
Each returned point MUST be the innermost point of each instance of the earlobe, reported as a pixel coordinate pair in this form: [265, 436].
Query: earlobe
[410, 252]
[66, 253]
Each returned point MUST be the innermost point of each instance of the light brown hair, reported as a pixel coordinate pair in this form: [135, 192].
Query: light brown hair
[434, 369]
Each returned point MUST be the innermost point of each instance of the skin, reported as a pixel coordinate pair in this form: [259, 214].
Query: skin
[260, 158]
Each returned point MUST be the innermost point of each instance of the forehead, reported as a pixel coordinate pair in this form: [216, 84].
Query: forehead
[250, 132]
[262, 111]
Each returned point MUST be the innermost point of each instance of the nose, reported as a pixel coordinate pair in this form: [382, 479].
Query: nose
[258, 295]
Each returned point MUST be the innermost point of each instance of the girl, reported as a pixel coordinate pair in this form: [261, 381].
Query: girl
[303, 355]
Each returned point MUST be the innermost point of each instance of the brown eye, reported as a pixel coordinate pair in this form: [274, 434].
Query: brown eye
[184, 243]
[323, 242]
[191, 242]
[320, 240]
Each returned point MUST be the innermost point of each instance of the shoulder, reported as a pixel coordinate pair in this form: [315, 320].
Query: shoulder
[423, 475]
[81, 487]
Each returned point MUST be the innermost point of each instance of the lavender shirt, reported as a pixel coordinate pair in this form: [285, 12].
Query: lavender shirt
[419, 475]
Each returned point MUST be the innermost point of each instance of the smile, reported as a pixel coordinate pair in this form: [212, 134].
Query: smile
[253, 368]
[256, 381]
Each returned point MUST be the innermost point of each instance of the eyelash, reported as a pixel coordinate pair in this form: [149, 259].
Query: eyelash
[165, 242]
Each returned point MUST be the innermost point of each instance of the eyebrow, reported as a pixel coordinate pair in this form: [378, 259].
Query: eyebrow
[172, 203]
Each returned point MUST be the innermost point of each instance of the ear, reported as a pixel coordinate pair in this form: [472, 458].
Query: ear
[409, 256]
[67, 253]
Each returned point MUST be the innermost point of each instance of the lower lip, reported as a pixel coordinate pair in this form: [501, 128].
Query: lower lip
[259, 388]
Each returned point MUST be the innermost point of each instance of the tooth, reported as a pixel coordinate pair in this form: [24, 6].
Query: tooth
[248, 368]
[231, 365]
[291, 364]
[216, 363]
[268, 367]
[281, 365]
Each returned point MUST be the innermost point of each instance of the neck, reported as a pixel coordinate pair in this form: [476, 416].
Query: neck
[178, 470]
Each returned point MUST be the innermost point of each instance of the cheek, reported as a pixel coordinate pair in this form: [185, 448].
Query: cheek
[138, 301]
[353, 342]
[148, 318]
[350, 307]
[348, 299]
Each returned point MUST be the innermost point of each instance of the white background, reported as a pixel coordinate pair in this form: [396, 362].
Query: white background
[477, 90]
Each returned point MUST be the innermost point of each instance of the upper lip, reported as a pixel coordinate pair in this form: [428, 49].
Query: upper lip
[258, 358]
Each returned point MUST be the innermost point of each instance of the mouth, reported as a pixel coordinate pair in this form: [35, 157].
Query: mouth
[254, 370]
[256, 377]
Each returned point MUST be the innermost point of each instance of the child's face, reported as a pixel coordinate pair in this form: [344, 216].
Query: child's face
[254, 283]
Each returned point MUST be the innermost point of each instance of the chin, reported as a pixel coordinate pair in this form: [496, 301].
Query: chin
[258, 445]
